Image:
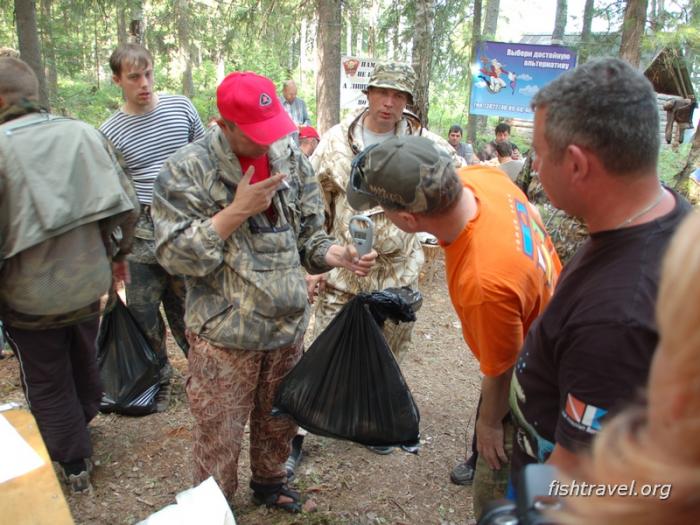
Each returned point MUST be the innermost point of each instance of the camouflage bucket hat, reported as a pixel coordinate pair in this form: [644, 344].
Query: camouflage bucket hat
[394, 75]
[402, 173]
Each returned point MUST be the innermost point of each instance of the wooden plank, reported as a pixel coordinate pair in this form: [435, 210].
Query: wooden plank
[36, 497]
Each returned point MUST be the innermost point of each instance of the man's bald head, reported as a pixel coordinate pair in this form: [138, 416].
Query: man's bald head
[17, 81]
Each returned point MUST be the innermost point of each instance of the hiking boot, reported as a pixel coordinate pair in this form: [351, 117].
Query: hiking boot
[76, 474]
[462, 474]
[382, 451]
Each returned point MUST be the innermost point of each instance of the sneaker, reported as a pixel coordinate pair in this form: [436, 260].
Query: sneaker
[166, 373]
[411, 449]
[163, 397]
[462, 474]
[76, 474]
[382, 451]
[294, 457]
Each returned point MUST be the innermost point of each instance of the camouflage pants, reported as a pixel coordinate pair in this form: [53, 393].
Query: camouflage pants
[150, 286]
[225, 387]
[329, 304]
[492, 484]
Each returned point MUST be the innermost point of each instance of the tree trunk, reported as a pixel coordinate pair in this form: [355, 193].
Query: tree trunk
[136, 27]
[28, 38]
[49, 51]
[559, 23]
[348, 31]
[372, 28]
[96, 50]
[490, 20]
[185, 47]
[122, 35]
[690, 46]
[586, 32]
[328, 78]
[633, 30]
[681, 181]
[488, 33]
[476, 25]
[422, 55]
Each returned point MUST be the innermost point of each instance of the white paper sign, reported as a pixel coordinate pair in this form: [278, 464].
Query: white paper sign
[354, 76]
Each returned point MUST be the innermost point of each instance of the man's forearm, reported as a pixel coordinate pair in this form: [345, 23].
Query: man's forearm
[227, 221]
[494, 397]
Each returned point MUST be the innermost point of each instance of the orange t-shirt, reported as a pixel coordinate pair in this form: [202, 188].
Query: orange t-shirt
[501, 270]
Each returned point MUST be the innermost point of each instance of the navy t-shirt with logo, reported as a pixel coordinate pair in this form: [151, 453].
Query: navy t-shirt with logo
[589, 354]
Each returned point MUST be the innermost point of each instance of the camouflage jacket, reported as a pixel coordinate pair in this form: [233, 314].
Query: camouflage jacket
[400, 254]
[248, 291]
[58, 231]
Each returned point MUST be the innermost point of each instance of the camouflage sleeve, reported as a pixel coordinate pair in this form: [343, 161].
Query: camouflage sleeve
[196, 128]
[186, 242]
[313, 241]
[118, 231]
[329, 187]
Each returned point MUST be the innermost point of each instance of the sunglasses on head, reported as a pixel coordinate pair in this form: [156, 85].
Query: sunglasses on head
[358, 179]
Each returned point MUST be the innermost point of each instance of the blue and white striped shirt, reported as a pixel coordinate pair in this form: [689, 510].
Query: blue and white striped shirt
[147, 140]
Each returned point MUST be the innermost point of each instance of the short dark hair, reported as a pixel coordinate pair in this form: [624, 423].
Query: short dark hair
[132, 54]
[455, 128]
[502, 127]
[606, 106]
[487, 152]
[504, 149]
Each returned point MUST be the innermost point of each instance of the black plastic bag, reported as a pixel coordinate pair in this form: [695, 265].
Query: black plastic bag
[129, 368]
[348, 384]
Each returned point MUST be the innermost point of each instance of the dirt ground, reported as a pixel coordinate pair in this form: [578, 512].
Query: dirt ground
[142, 463]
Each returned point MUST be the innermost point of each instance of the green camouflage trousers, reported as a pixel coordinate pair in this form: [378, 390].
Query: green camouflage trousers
[150, 286]
[329, 304]
[492, 484]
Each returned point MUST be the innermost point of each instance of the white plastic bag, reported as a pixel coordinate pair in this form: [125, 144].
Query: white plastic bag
[204, 504]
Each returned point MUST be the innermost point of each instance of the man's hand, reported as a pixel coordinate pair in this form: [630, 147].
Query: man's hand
[250, 200]
[489, 425]
[489, 443]
[315, 285]
[120, 273]
[346, 257]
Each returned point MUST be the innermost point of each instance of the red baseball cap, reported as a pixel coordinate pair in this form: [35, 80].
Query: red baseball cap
[308, 132]
[249, 101]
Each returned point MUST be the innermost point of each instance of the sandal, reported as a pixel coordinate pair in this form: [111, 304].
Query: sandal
[271, 499]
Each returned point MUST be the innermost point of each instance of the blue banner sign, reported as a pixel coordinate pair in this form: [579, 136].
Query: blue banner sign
[506, 76]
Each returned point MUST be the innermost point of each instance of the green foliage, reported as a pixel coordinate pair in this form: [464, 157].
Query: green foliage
[672, 162]
[81, 99]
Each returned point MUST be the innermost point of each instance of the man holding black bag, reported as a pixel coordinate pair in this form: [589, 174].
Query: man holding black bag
[62, 195]
[500, 263]
[238, 213]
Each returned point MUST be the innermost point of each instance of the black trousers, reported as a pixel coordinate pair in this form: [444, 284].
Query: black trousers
[61, 382]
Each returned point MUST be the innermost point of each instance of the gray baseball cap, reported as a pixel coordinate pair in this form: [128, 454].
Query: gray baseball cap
[402, 173]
